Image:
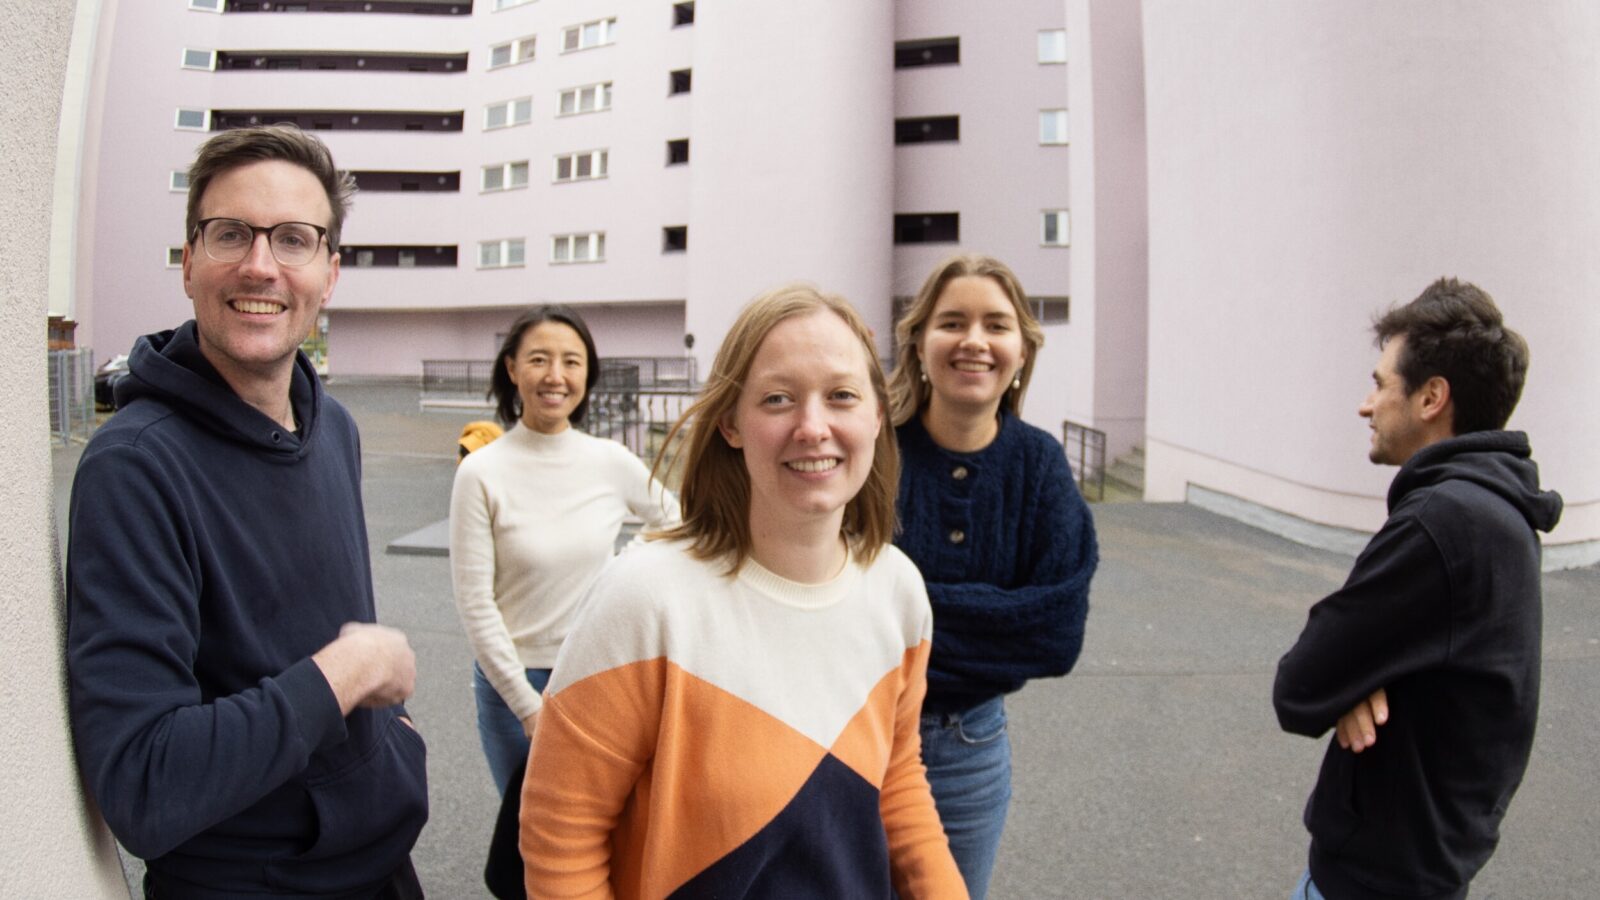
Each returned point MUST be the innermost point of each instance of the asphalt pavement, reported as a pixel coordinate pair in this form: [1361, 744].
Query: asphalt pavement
[1155, 770]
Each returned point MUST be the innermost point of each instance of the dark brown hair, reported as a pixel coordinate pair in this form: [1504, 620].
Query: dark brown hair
[1454, 330]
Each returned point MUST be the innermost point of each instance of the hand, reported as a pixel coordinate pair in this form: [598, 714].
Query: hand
[368, 665]
[529, 723]
[1358, 728]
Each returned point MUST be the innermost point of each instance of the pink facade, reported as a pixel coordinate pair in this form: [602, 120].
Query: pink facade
[1311, 164]
[793, 172]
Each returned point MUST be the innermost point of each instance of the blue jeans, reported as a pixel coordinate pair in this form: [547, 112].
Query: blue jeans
[968, 756]
[499, 729]
[1306, 889]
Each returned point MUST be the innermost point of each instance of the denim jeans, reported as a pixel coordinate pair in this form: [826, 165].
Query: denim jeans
[968, 756]
[499, 729]
[1306, 889]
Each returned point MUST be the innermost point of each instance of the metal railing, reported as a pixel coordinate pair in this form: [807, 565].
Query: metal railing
[71, 394]
[637, 419]
[1086, 455]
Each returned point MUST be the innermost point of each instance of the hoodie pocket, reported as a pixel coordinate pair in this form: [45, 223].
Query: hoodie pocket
[369, 813]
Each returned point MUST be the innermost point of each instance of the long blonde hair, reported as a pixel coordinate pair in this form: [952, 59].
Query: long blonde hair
[908, 393]
[716, 485]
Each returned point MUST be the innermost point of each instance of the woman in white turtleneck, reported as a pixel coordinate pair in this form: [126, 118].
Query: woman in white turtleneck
[534, 517]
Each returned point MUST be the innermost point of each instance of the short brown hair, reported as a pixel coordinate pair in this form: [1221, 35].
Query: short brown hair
[260, 143]
[716, 485]
[908, 393]
[1455, 331]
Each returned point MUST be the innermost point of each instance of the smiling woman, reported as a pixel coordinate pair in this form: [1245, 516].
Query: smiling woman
[675, 753]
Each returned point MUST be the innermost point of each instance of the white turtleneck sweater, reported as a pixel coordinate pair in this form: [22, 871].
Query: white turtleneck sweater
[533, 519]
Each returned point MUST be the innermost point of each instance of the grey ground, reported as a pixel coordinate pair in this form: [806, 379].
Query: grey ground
[1155, 770]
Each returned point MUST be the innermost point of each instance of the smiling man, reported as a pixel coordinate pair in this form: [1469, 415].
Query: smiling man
[1426, 662]
[235, 710]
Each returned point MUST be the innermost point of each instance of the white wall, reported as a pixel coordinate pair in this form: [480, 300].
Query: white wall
[55, 846]
[1311, 164]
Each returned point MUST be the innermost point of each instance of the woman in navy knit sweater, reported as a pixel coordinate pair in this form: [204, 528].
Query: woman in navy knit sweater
[990, 514]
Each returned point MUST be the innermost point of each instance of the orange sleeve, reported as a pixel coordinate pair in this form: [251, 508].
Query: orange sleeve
[589, 751]
[919, 855]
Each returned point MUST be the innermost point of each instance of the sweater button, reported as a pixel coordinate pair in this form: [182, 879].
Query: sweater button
[957, 536]
[958, 473]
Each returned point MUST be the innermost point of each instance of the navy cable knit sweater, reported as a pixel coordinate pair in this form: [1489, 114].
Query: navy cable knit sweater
[1007, 547]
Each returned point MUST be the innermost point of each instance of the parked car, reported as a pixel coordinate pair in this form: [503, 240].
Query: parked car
[105, 382]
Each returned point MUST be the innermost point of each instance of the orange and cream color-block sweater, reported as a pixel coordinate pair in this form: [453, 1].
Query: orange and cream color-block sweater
[707, 735]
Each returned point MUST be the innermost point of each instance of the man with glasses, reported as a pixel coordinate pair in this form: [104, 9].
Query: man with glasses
[236, 710]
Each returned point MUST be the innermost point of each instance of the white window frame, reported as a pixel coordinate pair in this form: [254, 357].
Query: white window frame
[1063, 222]
[518, 51]
[211, 60]
[172, 263]
[1063, 137]
[517, 111]
[578, 37]
[1047, 53]
[500, 5]
[599, 165]
[503, 250]
[178, 181]
[600, 90]
[200, 6]
[508, 172]
[565, 249]
[205, 119]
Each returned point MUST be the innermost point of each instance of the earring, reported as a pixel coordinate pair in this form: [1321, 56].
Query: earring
[924, 376]
[1016, 383]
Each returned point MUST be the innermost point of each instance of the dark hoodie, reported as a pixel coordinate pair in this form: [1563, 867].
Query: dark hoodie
[211, 553]
[1443, 611]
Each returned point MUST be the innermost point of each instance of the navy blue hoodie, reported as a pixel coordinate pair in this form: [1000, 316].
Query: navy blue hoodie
[1442, 610]
[211, 553]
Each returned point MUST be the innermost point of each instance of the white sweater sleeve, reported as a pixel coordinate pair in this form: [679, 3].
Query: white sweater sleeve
[646, 498]
[472, 568]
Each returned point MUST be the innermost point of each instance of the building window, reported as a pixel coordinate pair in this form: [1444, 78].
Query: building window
[174, 257]
[927, 130]
[935, 52]
[507, 4]
[392, 256]
[1051, 310]
[1052, 126]
[206, 5]
[678, 81]
[378, 180]
[502, 254]
[683, 14]
[193, 120]
[1056, 228]
[927, 228]
[204, 60]
[590, 34]
[511, 53]
[677, 151]
[576, 248]
[1053, 46]
[581, 166]
[508, 113]
[674, 239]
[503, 176]
[178, 180]
[587, 99]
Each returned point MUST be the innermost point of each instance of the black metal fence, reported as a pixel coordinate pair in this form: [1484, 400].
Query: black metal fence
[71, 394]
[1086, 455]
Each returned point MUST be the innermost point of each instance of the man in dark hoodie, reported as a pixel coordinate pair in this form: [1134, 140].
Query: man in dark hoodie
[1426, 662]
[235, 710]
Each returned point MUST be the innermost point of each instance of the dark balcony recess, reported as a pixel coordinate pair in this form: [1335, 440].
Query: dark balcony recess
[927, 130]
[397, 256]
[340, 119]
[927, 228]
[411, 7]
[374, 182]
[934, 52]
[299, 60]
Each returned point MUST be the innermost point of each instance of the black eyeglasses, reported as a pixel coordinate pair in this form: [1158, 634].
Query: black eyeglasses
[229, 240]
